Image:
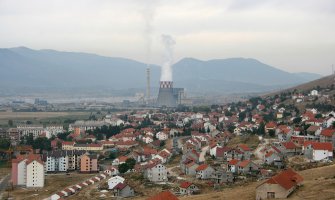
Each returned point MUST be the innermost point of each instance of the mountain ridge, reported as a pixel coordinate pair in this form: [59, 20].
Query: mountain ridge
[22, 66]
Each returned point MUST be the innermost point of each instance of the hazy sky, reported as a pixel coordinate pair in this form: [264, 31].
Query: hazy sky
[293, 35]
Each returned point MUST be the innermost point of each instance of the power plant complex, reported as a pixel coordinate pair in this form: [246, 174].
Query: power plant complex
[169, 96]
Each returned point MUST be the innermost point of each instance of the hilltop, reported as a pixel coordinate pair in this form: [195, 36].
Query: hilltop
[324, 82]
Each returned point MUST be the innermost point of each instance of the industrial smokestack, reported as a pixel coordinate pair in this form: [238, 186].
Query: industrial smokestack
[166, 96]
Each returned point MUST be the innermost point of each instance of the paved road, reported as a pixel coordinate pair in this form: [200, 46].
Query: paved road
[203, 154]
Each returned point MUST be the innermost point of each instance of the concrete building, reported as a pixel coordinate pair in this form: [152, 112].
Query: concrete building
[156, 173]
[62, 160]
[204, 171]
[318, 150]
[89, 163]
[28, 171]
[25, 130]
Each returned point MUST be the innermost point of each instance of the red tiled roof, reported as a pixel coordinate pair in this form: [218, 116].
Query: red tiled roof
[68, 143]
[244, 147]
[328, 132]
[122, 158]
[220, 151]
[289, 145]
[271, 125]
[269, 154]
[319, 145]
[120, 186]
[322, 146]
[233, 162]
[287, 179]
[166, 195]
[244, 163]
[201, 167]
[185, 185]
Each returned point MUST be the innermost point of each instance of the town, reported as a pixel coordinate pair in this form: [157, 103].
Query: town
[266, 142]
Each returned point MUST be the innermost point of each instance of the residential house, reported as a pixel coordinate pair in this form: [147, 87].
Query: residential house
[327, 135]
[245, 150]
[119, 160]
[328, 122]
[279, 186]
[156, 172]
[221, 176]
[188, 188]
[318, 150]
[272, 157]
[289, 148]
[247, 166]
[232, 166]
[204, 171]
[162, 136]
[113, 181]
[123, 190]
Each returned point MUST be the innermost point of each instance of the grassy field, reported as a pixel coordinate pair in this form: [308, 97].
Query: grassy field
[53, 183]
[41, 117]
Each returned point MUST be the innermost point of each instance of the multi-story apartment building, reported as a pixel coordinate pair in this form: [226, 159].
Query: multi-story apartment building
[87, 125]
[62, 160]
[28, 170]
[25, 130]
[89, 163]
[156, 173]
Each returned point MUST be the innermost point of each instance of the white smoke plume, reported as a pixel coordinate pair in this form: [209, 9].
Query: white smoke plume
[148, 14]
[168, 42]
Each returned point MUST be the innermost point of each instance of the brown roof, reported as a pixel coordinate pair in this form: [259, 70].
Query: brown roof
[166, 195]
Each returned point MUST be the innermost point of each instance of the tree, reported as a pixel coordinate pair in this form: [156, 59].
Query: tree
[318, 115]
[123, 168]
[261, 129]
[130, 163]
[242, 116]
[10, 123]
[4, 143]
[162, 144]
[297, 120]
[272, 133]
[112, 155]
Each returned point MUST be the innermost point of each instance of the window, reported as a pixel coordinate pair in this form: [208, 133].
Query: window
[271, 195]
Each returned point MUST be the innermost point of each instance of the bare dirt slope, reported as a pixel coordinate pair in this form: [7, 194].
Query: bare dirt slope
[319, 183]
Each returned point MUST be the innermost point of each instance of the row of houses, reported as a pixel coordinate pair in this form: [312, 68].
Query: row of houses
[76, 188]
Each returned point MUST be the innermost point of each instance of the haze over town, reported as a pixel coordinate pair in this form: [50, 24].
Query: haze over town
[296, 36]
